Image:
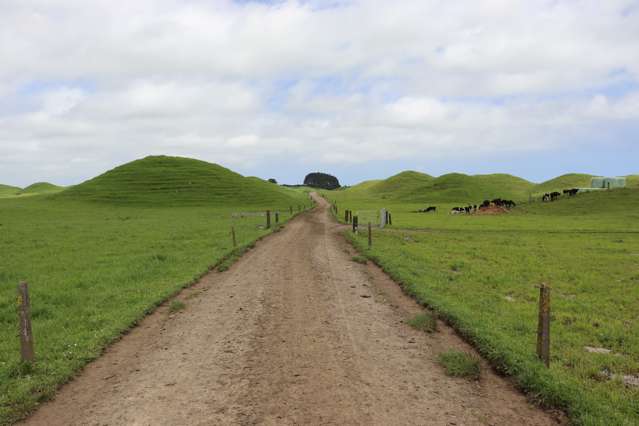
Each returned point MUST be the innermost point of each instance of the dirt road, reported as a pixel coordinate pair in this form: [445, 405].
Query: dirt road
[294, 333]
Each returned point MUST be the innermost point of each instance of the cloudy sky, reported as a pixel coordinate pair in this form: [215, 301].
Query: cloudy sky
[359, 88]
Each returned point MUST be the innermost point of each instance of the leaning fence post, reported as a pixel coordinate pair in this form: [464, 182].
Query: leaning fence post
[233, 236]
[370, 235]
[26, 334]
[543, 328]
[268, 219]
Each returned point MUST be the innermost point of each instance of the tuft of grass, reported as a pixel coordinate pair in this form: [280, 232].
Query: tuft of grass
[176, 306]
[425, 322]
[359, 259]
[460, 364]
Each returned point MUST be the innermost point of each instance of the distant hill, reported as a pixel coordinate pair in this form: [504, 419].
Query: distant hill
[9, 191]
[567, 181]
[417, 187]
[41, 188]
[402, 184]
[162, 180]
[632, 181]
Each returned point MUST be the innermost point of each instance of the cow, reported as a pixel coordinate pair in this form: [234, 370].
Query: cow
[554, 195]
[571, 192]
[428, 210]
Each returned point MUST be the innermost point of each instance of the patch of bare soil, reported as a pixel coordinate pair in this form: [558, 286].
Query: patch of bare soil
[294, 333]
[492, 210]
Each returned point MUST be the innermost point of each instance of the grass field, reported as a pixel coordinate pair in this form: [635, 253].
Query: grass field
[481, 273]
[95, 267]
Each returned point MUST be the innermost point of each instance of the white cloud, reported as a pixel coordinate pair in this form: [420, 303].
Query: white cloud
[90, 84]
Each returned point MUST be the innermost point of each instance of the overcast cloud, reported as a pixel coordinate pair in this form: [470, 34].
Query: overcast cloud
[359, 88]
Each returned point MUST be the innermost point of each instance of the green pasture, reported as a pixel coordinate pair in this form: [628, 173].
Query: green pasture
[482, 273]
[96, 267]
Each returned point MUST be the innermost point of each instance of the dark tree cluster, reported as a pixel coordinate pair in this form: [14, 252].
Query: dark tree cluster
[321, 180]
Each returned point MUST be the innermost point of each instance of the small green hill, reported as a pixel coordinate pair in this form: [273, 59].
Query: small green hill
[417, 187]
[402, 184]
[632, 181]
[8, 191]
[41, 188]
[567, 181]
[459, 187]
[176, 181]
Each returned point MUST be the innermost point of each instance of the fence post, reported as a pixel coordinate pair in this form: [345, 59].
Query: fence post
[268, 219]
[390, 219]
[346, 216]
[233, 235]
[370, 235]
[26, 334]
[354, 223]
[277, 217]
[543, 328]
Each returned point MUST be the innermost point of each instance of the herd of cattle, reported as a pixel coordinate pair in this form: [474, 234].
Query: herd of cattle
[552, 196]
[498, 202]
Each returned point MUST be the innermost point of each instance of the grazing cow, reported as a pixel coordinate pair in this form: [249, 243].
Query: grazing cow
[428, 210]
[571, 192]
[485, 204]
[554, 195]
[509, 204]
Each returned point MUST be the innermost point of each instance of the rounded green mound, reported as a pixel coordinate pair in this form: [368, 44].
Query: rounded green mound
[567, 181]
[8, 191]
[413, 186]
[162, 180]
[41, 188]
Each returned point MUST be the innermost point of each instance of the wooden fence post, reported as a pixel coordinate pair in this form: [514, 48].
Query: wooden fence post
[268, 219]
[277, 217]
[354, 223]
[346, 216]
[370, 235]
[233, 235]
[543, 328]
[26, 334]
[390, 219]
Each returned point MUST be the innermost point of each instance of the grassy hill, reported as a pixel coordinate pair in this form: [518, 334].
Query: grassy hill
[632, 181]
[8, 191]
[570, 180]
[41, 188]
[401, 185]
[162, 180]
[415, 187]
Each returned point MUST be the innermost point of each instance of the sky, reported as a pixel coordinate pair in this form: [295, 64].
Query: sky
[358, 88]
